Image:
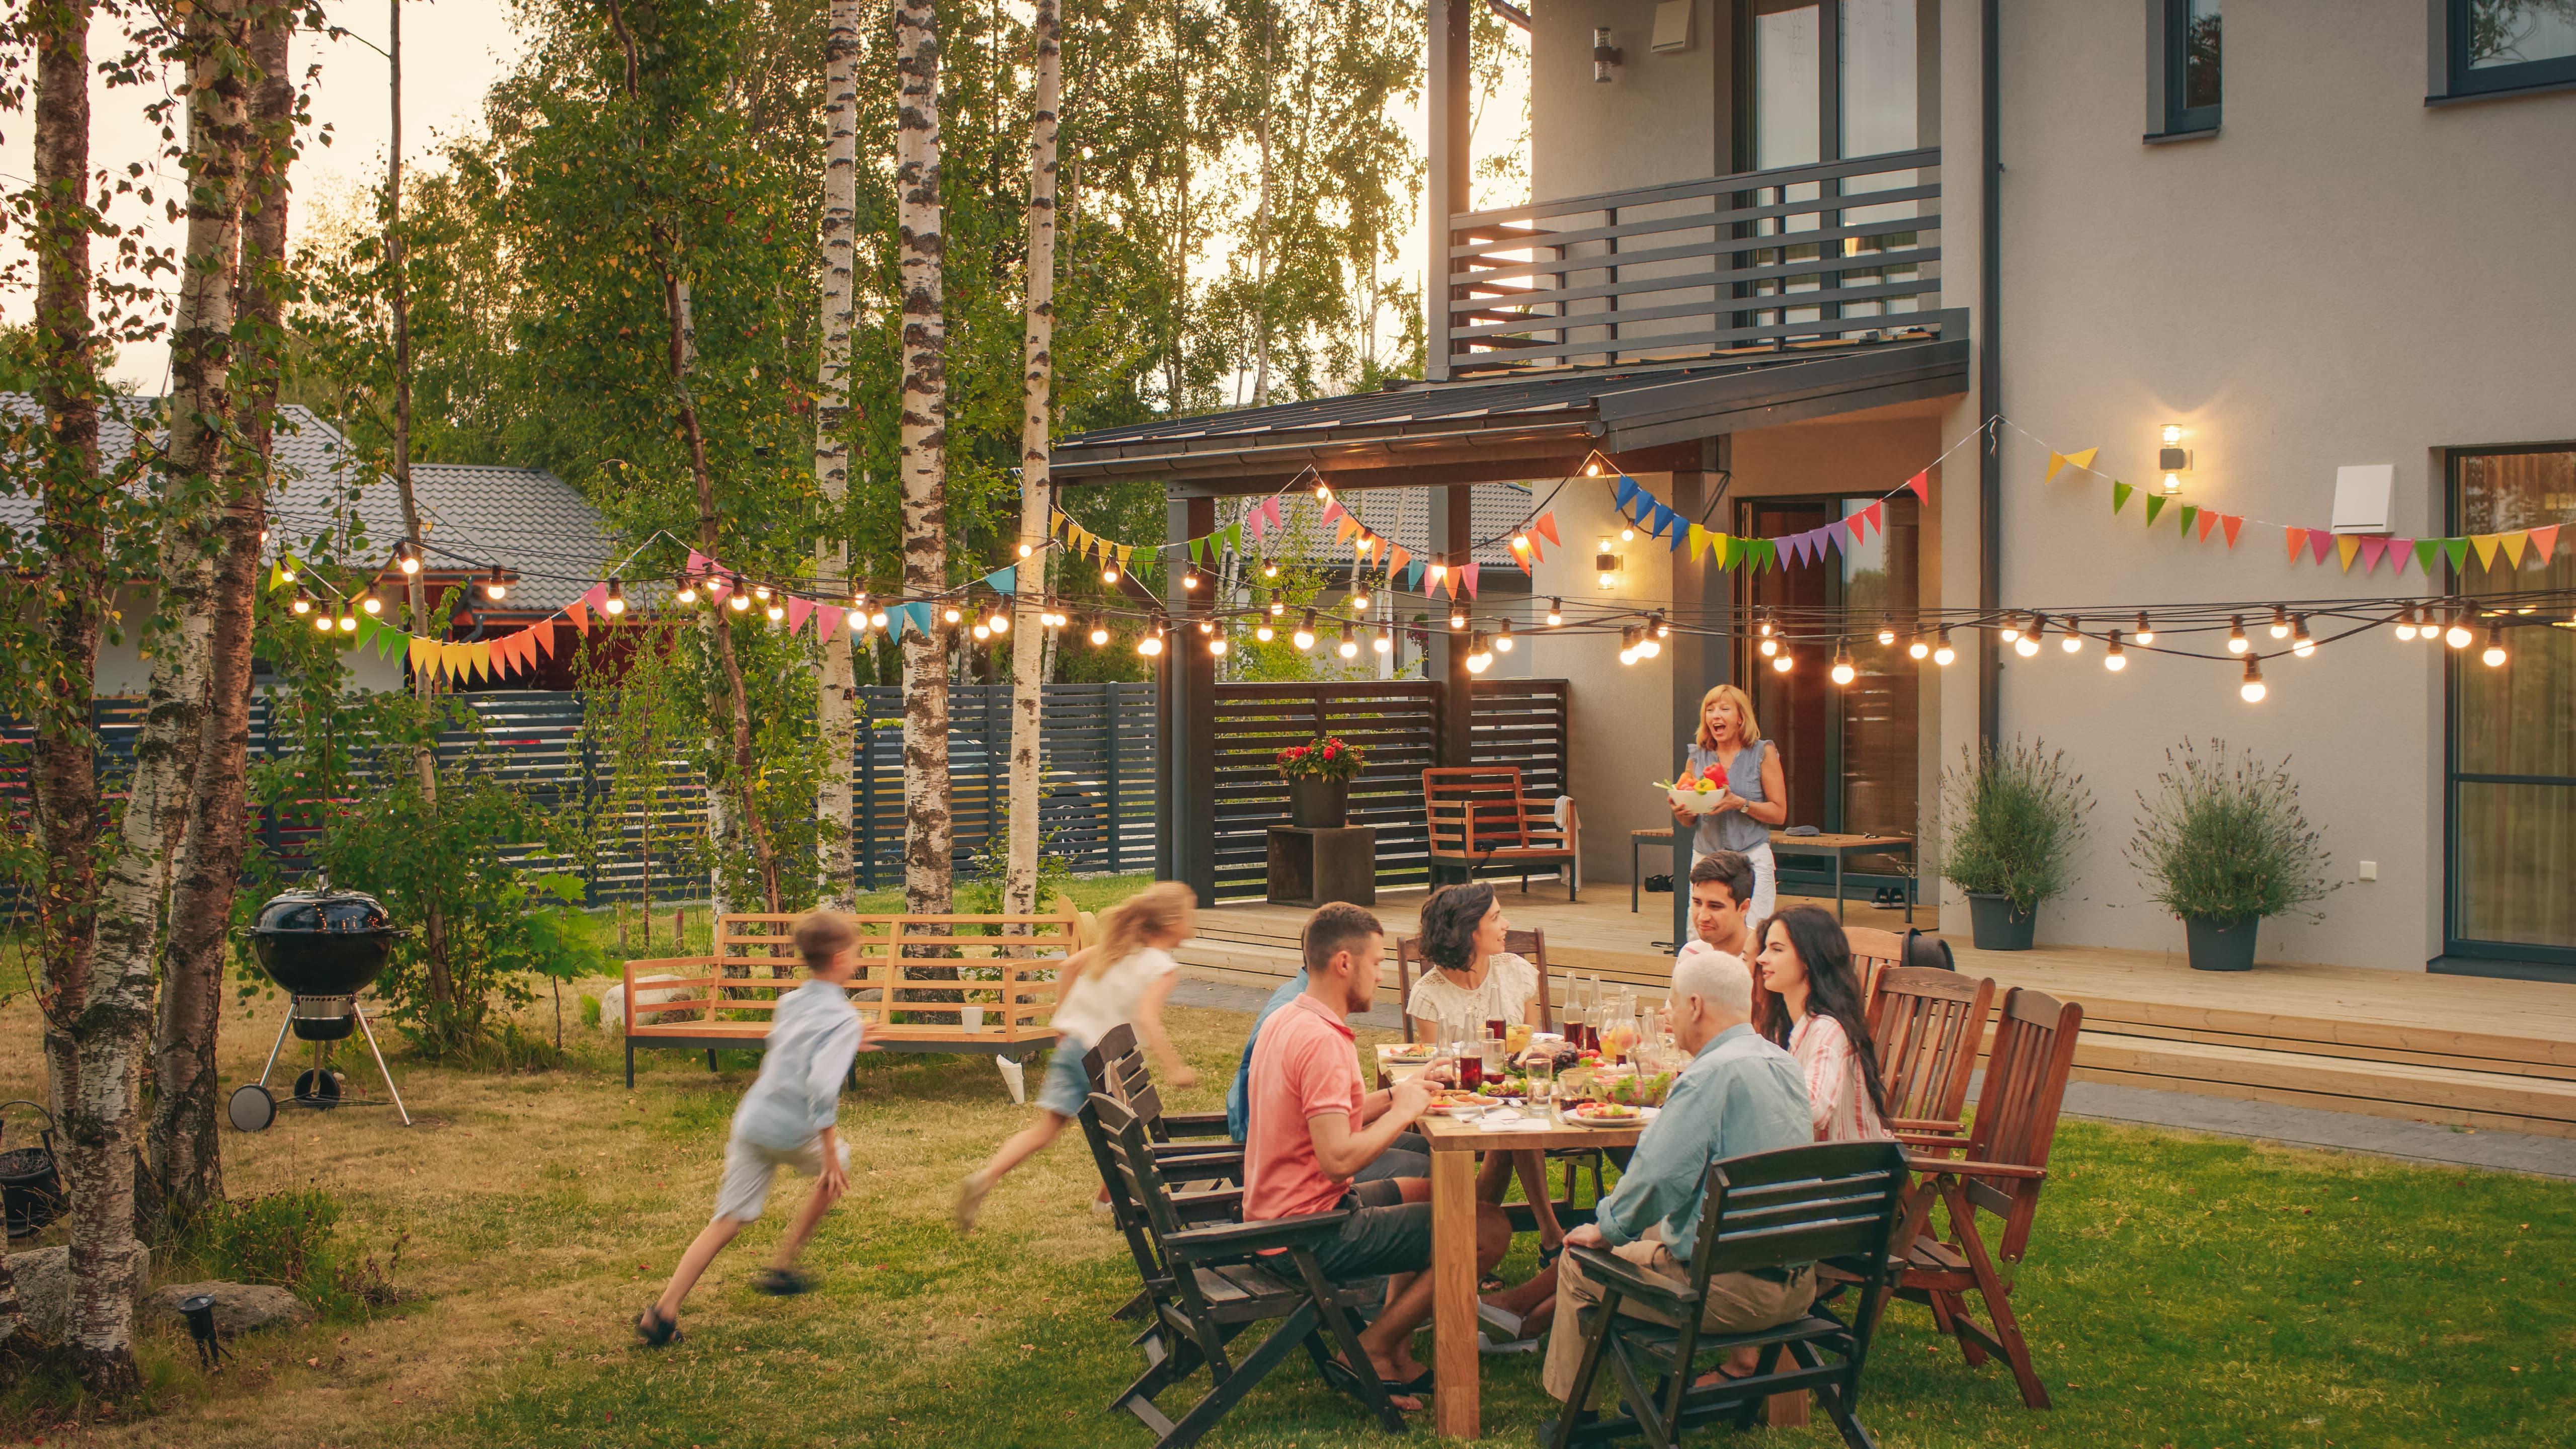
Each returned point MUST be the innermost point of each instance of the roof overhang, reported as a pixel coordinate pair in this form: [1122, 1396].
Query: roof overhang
[1496, 430]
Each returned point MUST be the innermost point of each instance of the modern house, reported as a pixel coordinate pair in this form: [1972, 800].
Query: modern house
[1783, 256]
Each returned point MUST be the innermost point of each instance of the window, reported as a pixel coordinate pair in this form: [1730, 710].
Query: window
[2512, 757]
[2510, 45]
[2191, 66]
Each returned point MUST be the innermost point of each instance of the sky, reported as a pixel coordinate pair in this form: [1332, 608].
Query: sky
[453, 50]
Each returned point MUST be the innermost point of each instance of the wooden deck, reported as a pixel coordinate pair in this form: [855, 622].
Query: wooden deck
[2464, 1051]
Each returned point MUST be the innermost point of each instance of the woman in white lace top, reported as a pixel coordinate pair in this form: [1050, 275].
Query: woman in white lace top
[1815, 1010]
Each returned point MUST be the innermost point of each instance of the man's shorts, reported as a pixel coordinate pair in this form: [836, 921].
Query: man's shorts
[1383, 1235]
[748, 1168]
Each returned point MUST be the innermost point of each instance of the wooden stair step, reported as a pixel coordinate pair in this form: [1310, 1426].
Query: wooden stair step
[2381, 1089]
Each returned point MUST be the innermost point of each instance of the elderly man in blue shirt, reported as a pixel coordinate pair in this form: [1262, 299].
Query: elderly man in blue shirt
[1739, 1095]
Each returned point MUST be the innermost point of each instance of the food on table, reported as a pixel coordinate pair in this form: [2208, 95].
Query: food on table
[1505, 1087]
[1636, 1088]
[1606, 1112]
[1414, 1052]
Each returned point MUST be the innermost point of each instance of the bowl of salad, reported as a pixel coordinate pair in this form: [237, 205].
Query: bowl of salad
[1632, 1089]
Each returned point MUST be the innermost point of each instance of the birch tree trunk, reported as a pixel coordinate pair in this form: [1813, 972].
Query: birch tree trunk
[1261, 225]
[64, 765]
[928, 835]
[1037, 491]
[185, 1150]
[836, 679]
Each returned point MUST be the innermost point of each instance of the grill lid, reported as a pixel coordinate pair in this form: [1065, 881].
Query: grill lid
[327, 911]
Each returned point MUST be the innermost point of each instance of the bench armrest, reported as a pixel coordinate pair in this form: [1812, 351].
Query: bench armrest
[1240, 1240]
[1956, 1167]
[1195, 1124]
[1223, 1203]
[1613, 1271]
[1194, 1165]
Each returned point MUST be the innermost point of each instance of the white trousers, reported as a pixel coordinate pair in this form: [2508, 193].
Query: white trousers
[1766, 882]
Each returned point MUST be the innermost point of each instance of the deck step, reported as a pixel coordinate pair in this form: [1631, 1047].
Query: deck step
[2449, 1095]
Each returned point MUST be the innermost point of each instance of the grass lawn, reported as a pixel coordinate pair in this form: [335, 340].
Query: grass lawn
[2180, 1291]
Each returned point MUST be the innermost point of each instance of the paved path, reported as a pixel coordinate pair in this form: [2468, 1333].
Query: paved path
[2262, 1121]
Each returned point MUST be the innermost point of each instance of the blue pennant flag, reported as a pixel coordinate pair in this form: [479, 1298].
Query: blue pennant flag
[1680, 534]
[1004, 580]
[919, 617]
[1413, 571]
[1627, 491]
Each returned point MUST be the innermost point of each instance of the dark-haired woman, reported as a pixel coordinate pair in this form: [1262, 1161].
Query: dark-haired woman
[1815, 1010]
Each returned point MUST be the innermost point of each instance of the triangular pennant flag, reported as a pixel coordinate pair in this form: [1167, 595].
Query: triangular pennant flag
[481, 658]
[2155, 505]
[1766, 554]
[2345, 547]
[1467, 572]
[2457, 550]
[544, 635]
[597, 598]
[386, 634]
[1335, 513]
[1921, 483]
[698, 562]
[276, 575]
[1234, 537]
[418, 653]
[1722, 549]
[2187, 513]
[1003, 580]
[2120, 496]
[2513, 543]
[1126, 554]
[1858, 523]
[2486, 547]
[1252, 523]
[2400, 550]
[2231, 522]
[1876, 513]
[2060, 460]
[1196, 546]
[1829, 537]
[1546, 526]
[2372, 549]
[1343, 528]
[1678, 535]
[2320, 543]
[2428, 551]
[833, 617]
[1056, 521]
[1623, 492]
[367, 628]
[1413, 574]
[579, 615]
[1522, 559]
[2297, 539]
[1698, 542]
[798, 611]
[2544, 541]
[1663, 519]
[1270, 510]
[2208, 521]
[505, 654]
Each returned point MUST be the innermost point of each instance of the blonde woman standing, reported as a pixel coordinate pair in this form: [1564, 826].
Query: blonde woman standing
[1729, 747]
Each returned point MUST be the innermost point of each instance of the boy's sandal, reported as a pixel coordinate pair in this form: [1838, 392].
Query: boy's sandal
[1340, 1376]
[654, 1329]
[1547, 1256]
[782, 1282]
[1491, 1283]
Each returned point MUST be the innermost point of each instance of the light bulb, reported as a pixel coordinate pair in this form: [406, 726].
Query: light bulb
[950, 614]
[322, 623]
[348, 623]
[2146, 632]
[1151, 644]
[303, 602]
[1383, 641]
[2493, 655]
[1648, 646]
[1763, 626]
[1627, 535]
[1099, 633]
[2300, 643]
[369, 602]
[738, 601]
[1109, 574]
[1555, 612]
[1628, 656]
[2072, 641]
[1781, 661]
[1457, 617]
[2252, 689]
[1656, 626]
[1916, 649]
[2237, 643]
[688, 591]
[1886, 631]
[615, 603]
[495, 587]
[1942, 653]
[2280, 622]
[286, 570]
[1503, 638]
[1349, 647]
[2011, 631]
[1269, 570]
[2026, 646]
[1000, 623]
[1359, 601]
[1843, 673]
[1480, 655]
[1216, 646]
[2458, 636]
[1025, 550]
[1263, 632]
[1770, 648]
[408, 559]
[1592, 469]
[1207, 626]
[1440, 571]
[1278, 604]
[2113, 658]
[1323, 493]
[1607, 580]
[777, 610]
[858, 621]
[1520, 543]
[1304, 638]
[877, 619]
[2173, 484]
[980, 632]
[1190, 580]
[2406, 623]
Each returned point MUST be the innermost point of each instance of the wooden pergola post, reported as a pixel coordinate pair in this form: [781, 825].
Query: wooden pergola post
[1701, 590]
[1452, 25]
[1452, 540]
[1186, 788]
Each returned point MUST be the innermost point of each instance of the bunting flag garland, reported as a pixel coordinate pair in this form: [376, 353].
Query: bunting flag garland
[2120, 496]
[2346, 546]
[2155, 505]
[2056, 461]
[2297, 539]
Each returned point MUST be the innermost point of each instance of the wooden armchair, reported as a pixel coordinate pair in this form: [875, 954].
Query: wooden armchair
[1928, 1026]
[1479, 819]
[1873, 952]
[1410, 963]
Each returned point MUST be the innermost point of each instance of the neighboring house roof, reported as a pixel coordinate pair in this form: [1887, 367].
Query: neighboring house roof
[474, 515]
[1404, 514]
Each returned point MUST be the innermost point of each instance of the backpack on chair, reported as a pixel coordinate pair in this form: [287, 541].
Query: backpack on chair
[1928, 951]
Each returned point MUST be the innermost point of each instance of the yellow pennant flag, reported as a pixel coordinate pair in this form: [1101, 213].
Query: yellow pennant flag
[2059, 460]
[421, 653]
[2486, 545]
[1125, 551]
[2347, 546]
[2513, 543]
[1698, 541]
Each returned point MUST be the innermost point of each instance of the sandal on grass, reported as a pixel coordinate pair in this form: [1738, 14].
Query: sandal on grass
[782, 1282]
[656, 1330]
[1547, 1256]
[1339, 1375]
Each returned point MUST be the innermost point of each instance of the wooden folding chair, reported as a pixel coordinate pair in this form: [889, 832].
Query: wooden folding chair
[1213, 1171]
[1837, 1200]
[1206, 1285]
[1410, 963]
[1873, 952]
[1927, 1026]
[1478, 818]
[2005, 1166]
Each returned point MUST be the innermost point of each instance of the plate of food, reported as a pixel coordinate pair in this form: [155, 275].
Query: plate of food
[1693, 793]
[1495, 1088]
[1457, 1104]
[1410, 1054]
[1605, 1114]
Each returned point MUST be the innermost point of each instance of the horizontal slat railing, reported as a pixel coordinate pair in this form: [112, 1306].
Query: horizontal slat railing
[1841, 253]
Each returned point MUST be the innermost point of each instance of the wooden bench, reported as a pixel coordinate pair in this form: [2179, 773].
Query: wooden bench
[907, 988]
[1480, 820]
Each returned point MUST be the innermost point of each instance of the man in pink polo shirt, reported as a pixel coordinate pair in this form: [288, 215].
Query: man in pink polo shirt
[1314, 1128]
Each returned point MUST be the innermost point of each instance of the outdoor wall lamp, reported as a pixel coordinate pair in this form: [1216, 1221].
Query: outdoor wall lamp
[1606, 564]
[1605, 56]
[2173, 459]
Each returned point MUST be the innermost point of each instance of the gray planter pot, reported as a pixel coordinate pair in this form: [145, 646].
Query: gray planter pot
[1998, 925]
[2221, 944]
[1319, 804]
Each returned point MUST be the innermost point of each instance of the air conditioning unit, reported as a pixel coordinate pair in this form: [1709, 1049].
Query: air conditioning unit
[1673, 26]
[2365, 498]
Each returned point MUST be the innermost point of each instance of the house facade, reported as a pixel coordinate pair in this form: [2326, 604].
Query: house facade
[1780, 258]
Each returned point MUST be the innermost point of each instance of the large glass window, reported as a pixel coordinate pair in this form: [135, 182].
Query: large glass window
[2501, 45]
[2191, 65]
[2513, 725]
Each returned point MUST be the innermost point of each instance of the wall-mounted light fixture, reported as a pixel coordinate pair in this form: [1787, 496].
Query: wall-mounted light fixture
[2173, 459]
[1604, 56]
[1606, 564]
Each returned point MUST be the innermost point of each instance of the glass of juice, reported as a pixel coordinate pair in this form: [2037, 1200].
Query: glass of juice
[1471, 1071]
[1495, 1026]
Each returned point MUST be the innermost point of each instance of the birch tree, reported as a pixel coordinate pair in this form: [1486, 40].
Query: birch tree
[922, 438]
[1037, 492]
[836, 679]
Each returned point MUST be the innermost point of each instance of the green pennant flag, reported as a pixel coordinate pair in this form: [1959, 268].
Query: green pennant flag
[2120, 495]
[389, 639]
[2189, 512]
[2458, 549]
[1731, 551]
[2155, 505]
[1766, 553]
[1198, 547]
[1234, 537]
[367, 627]
[276, 575]
[2426, 550]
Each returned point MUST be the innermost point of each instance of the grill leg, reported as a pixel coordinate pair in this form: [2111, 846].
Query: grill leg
[279, 1045]
[380, 1063]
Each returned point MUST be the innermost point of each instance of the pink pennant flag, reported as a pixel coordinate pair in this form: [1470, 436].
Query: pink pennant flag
[1921, 483]
[2544, 541]
[798, 610]
[2297, 539]
[2371, 549]
[1876, 513]
[2320, 543]
[1252, 524]
[1468, 572]
[1270, 510]
[833, 617]
[2401, 552]
[597, 598]
[698, 562]
[1333, 512]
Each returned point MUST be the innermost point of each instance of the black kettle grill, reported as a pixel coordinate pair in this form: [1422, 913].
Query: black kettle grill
[323, 946]
[31, 1185]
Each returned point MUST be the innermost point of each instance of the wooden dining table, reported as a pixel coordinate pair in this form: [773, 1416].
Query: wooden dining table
[1456, 1408]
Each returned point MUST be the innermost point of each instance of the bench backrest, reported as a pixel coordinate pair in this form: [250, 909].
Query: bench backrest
[912, 972]
[1475, 808]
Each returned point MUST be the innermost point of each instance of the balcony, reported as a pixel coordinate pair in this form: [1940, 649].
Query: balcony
[1837, 255]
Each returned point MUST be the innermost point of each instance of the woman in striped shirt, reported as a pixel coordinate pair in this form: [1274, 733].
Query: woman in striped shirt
[1815, 1010]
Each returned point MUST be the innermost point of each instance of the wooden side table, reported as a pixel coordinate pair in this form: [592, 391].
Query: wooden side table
[1311, 866]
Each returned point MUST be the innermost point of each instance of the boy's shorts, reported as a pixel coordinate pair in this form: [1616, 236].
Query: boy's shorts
[1067, 1085]
[748, 1168]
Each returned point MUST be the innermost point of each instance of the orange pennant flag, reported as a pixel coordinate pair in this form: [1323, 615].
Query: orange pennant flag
[2347, 546]
[2208, 521]
[2298, 539]
[1546, 525]
[580, 616]
[545, 637]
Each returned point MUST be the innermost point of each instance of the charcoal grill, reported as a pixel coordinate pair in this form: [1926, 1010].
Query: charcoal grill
[322, 946]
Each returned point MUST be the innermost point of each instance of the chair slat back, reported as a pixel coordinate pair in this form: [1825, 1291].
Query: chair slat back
[1124, 1209]
[1132, 1153]
[2034, 1052]
[1927, 1026]
[1799, 1205]
[1873, 953]
[1474, 808]
[1530, 945]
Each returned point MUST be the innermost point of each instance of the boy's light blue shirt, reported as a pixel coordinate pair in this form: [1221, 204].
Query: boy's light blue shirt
[1739, 1095]
[813, 1036]
[1238, 1098]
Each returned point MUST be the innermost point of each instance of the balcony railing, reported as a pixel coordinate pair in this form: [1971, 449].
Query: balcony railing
[1838, 254]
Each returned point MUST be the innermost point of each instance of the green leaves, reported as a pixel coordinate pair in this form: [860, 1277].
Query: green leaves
[2223, 838]
[2013, 818]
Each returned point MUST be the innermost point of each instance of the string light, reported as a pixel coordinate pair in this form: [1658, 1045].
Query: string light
[1916, 649]
[1151, 644]
[1099, 632]
[1278, 602]
[369, 602]
[2026, 642]
[1480, 655]
[2458, 636]
[858, 619]
[1656, 626]
[1349, 647]
[1649, 638]
[406, 558]
[1000, 623]
[348, 622]
[1457, 617]
[303, 602]
[688, 591]
[1383, 641]
[615, 603]
[1843, 672]
[2252, 689]
[1109, 573]
[1207, 626]
[1439, 571]
[2280, 622]
[777, 610]
[2300, 642]
[1304, 638]
[1762, 625]
[1323, 491]
[950, 614]
[1263, 632]
[2406, 624]
[1886, 631]
[1782, 662]
[1216, 647]
[2493, 656]
[981, 632]
[1358, 601]
[2237, 643]
[1555, 612]
[1942, 654]
[2113, 658]
[2146, 634]
[1592, 469]
[2072, 641]
[1269, 568]
[286, 570]
[1628, 644]
[322, 623]
[1770, 648]
[495, 587]
[1503, 637]
[877, 619]
[1190, 579]
[1521, 542]
[1025, 550]
[2011, 631]
[1627, 535]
